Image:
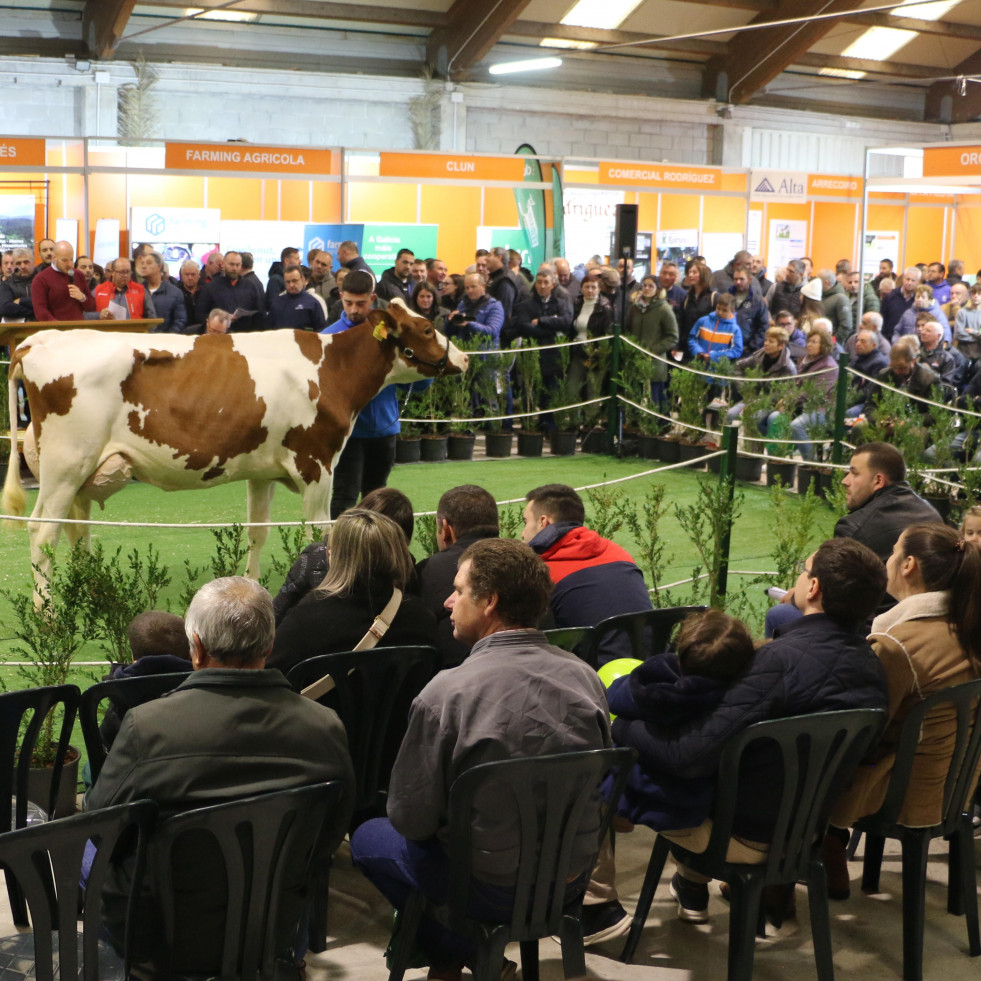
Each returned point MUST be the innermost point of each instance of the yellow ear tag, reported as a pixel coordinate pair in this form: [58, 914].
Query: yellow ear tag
[380, 332]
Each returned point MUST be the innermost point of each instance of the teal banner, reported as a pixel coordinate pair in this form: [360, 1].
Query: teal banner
[558, 214]
[380, 243]
[531, 208]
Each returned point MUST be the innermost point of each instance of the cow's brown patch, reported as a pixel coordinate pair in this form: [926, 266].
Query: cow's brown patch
[313, 390]
[353, 367]
[55, 398]
[202, 404]
[310, 345]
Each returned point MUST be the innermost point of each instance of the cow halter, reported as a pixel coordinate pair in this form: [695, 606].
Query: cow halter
[440, 365]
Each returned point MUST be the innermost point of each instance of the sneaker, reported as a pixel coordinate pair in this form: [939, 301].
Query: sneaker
[603, 921]
[692, 897]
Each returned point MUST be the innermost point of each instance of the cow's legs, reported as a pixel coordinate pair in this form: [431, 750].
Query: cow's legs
[316, 505]
[79, 534]
[259, 505]
[56, 504]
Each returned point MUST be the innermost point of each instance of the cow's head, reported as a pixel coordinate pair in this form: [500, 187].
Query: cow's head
[419, 346]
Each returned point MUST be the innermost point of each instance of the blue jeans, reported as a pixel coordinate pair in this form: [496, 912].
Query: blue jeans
[397, 866]
[779, 616]
[798, 430]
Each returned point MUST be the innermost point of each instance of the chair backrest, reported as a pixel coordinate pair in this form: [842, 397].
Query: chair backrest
[46, 860]
[228, 881]
[372, 695]
[24, 717]
[647, 631]
[965, 700]
[557, 808]
[123, 693]
[814, 755]
[571, 639]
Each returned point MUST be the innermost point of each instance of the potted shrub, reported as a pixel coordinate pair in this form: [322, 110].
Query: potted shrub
[691, 389]
[527, 376]
[489, 379]
[47, 639]
[433, 445]
[408, 446]
[639, 428]
[562, 439]
[594, 435]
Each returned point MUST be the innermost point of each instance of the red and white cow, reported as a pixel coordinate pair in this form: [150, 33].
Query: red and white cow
[183, 412]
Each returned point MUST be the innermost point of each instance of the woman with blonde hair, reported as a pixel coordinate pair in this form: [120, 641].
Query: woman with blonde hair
[369, 560]
[818, 361]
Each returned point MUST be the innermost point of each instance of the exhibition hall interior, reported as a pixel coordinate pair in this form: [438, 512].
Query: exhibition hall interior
[799, 154]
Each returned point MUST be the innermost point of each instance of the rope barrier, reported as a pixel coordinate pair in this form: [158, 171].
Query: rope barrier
[707, 575]
[511, 351]
[917, 398]
[711, 374]
[510, 415]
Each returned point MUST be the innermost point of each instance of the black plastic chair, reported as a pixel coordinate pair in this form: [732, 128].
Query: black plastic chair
[373, 691]
[648, 631]
[955, 825]
[124, 694]
[815, 754]
[555, 800]
[46, 859]
[22, 715]
[570, 639]
[259, 851]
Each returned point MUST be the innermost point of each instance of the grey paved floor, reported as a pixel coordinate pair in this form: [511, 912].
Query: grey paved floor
[866, 932]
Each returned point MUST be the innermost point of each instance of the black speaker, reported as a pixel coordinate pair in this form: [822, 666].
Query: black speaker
[625, 234]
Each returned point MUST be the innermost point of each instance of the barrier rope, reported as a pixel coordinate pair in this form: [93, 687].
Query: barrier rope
[298, 524]
[510, 415]
[711, 374]
[910, 395]
[511, 351]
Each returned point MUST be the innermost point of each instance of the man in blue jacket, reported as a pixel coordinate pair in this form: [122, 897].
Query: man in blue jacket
[296, 308]
[819, 663]
[369, 455]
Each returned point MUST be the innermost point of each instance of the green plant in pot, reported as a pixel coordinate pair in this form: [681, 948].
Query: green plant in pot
[528, 391]
[691, 392]
[597, 369]
[636, 372]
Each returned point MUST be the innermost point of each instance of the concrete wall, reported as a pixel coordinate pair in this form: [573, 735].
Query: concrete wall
[48, 97]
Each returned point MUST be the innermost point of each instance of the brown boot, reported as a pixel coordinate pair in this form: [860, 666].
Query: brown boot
[836, 865]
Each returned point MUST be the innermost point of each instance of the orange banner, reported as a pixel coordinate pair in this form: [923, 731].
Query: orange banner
[15, 151]
[951, 161]
[660, 175]
[451, 166]
[248, 158]
[833, 186]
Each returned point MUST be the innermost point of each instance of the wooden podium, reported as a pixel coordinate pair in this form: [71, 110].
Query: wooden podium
[12, 334]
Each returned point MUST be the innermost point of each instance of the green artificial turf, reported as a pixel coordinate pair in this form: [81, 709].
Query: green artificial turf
[752, 539]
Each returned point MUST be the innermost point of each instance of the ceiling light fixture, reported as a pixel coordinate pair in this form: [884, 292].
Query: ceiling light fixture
[528, 65]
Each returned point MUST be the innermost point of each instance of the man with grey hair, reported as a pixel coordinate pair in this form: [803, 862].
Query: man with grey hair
[899, 300]
[168, 300]
[785, 294]
[232, 729]
[871, 322]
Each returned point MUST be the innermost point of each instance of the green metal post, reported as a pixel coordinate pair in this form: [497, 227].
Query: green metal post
[727, 479]
[613, 412]
[841, 405]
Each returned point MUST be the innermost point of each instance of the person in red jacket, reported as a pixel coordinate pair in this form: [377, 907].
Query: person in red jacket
[120, 293]
[61, 291]
[594, 578]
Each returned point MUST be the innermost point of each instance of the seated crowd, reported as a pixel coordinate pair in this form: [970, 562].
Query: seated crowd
[881, 615]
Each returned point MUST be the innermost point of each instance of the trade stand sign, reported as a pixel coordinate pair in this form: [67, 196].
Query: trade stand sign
[15, 151]
[328, 238]
[380, 243]
[245, 157]
[423, 166]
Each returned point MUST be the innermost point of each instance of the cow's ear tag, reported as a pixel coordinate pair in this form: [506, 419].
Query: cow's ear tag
[380, 332]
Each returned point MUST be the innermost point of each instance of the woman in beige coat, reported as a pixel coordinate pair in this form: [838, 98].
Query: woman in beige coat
[930, 640]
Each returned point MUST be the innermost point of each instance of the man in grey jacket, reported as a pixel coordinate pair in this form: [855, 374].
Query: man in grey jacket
[231, 730]
[515, 696]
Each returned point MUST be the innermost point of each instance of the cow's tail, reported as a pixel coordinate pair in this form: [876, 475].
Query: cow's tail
[13, 500]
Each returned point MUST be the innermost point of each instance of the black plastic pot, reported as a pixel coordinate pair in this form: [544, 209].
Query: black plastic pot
[648, 447]
[562, 444]
[433, 449]
[408, 449]
[39, 785]
[669, 450]
[787, 472]
[943, 504]
[594, 441]
[498, 444]
[692, 452]
[531, 444]
[459, 446]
